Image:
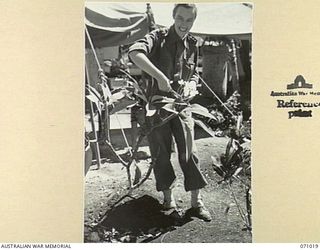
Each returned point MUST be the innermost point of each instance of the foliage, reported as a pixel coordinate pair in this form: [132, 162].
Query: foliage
[236, 164]
[225, 114]
[235, 160]
[115, 66]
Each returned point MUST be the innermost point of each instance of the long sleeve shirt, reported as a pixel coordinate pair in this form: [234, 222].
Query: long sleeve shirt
[176, 58]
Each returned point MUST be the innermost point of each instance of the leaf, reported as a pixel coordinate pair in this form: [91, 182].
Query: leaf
[150, 110]
[189, 143]
[140, 91]
[141, 97]
[205, 127]
[188, 138]
[239, 121]
[215, 162]
[93, 98]
[228, 148]
[118, 95]
[217, 166]
[219, 171]
[156, 97]
[200, 110]
[237, 171]
[232, 151]
[94, 92]
[161, 99]
[170, 108]
[137, 175]
[163, 102]
[121, 99]
[99, 105]
[163, 121]
[106, 91]
[198, 106]
[122, 104]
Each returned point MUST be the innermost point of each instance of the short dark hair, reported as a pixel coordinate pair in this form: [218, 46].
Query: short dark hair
[185, 5]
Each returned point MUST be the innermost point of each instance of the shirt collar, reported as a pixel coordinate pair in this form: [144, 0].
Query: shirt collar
[173, 36]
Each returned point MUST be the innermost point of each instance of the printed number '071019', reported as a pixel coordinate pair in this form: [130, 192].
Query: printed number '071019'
[305, 245]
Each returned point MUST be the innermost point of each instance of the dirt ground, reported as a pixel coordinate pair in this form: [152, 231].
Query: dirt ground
[141, 218]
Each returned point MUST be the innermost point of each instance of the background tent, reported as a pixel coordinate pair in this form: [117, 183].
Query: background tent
[112, 24]
[212, 19]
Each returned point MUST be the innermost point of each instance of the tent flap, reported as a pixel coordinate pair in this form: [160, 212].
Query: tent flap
[111, 26]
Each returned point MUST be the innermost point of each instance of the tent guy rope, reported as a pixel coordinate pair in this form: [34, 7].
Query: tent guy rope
[216, 96]
[102, 78]
[93, 50]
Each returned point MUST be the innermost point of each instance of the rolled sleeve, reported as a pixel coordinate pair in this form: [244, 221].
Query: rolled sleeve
[146, 44]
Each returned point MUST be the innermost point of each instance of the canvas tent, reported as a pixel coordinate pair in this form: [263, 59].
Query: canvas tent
[115, 24]
[112, 24]
[212, 18]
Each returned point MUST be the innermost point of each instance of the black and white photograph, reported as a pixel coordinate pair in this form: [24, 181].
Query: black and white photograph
[167, 105]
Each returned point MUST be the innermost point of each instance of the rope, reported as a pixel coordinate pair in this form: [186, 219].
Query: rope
[215, 95]
[93, 50]
[101, 75]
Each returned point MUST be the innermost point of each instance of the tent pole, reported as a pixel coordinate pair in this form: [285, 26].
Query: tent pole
[96, 141]
[106, 119]
[152, 24]
[107, 123]
[235, 58]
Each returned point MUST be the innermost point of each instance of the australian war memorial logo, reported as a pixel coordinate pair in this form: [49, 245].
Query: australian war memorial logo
[299, 83]
[297, 99]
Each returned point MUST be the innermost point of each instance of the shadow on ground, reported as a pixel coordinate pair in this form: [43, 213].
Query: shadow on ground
[139, 220]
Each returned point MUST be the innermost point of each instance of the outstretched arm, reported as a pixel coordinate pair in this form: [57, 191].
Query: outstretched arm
[143, 62]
